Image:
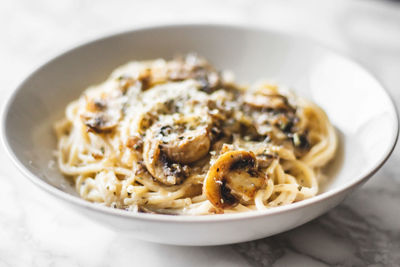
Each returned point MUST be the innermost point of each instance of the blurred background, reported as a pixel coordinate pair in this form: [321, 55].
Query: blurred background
[364, 230]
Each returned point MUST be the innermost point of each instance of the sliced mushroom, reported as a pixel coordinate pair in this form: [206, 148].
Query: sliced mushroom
[194, 67]
[159, 165]
[142, 79]
[168, 148]
[233, 178]
[188, 147]
[102, 114]
[100, 122]
[269, 102]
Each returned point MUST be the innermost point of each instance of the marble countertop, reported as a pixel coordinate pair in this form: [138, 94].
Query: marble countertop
[36, 230]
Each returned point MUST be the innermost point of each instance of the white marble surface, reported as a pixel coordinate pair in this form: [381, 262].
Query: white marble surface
[36, 230]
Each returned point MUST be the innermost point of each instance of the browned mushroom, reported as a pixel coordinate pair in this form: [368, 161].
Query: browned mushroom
[165, 152]
[188, 147]
[151, 157]
[233, 178]
[197, 68]
[159, 166]
[100, 122]
[102, 114]
[273, 101]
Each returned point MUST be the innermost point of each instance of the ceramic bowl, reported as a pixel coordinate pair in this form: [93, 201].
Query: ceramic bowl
[356, 103]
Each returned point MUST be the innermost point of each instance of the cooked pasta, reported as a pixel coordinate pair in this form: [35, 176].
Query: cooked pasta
[178, 137]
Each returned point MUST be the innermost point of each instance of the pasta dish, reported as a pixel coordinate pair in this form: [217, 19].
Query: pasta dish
[179, 137]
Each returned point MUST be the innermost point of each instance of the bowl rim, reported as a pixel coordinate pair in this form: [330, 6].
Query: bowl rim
[194, 218]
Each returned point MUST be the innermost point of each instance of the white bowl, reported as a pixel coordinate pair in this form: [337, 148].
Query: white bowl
[356, 103]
